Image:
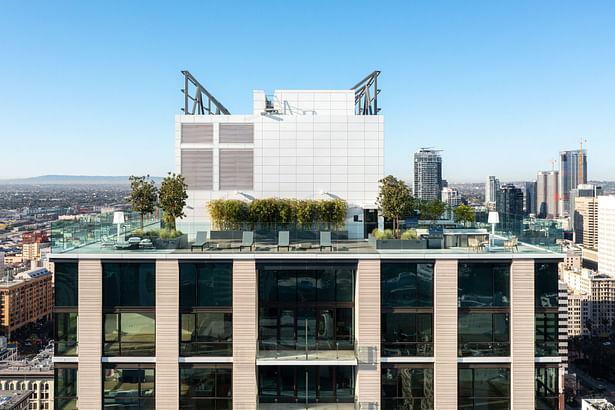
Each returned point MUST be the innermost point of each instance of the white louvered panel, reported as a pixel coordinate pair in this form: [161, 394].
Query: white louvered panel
[197, 168]
[236, 133]
[236, 169]
[198, 133]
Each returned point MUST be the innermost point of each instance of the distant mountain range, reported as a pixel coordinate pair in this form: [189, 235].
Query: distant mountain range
[71, 180]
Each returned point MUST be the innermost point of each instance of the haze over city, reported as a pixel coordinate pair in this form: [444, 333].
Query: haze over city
[89, 89]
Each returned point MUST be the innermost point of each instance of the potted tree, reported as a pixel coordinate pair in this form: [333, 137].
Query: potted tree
[172, 198]
[143, 195]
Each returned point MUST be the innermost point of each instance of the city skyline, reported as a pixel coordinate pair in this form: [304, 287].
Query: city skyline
[108, 82]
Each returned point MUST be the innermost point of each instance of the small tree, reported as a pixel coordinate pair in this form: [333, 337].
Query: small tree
[143, 195]
[464, 213]
[432, 210]
[173, 197]
[394, 200]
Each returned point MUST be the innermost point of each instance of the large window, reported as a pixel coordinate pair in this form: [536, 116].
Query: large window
[483, 334]
[129, 334]
[129, 300]
[546, 301]
[206, 387]
[65, 389]
[306, 305]
[483, 317]
[206, 301]
[407, 308]
[65, 308]
[407, 387]
[407, 334]
[545, 284]
[65, 340]
[484, 284]
[66, 284]
[290, 384]
[129, 285]
[484, 387]
[547, 391]
[128, 386]
[407, 284]
[546, 334]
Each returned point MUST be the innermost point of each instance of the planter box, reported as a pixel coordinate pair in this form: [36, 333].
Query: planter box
[394, 244]
[181, 242]
[273, 235]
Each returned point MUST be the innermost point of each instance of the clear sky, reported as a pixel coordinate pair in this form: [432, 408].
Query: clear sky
[91, 88]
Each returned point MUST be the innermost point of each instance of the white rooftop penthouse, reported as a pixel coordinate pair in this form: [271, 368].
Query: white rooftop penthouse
[304, 144]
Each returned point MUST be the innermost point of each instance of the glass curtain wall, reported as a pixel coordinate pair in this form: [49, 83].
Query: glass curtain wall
[306, 306]
[484, 309]
[407, 308]
[129, 318]
[205, 387]
[129, 386]
[206, 309]
[66, 304]
[65, 386]
[407, 386]
[306, 384]
[547, 391]
[484, 387]
[546, 298]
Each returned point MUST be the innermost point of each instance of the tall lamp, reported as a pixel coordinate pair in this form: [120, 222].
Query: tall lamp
[118, 219]
[494, 218]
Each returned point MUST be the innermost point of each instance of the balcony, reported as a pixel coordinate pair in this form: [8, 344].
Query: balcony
[98, 235]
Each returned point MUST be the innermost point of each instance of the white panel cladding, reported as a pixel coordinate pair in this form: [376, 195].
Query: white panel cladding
[236, 169]
[197, 133]
[305, 153]
[197, 168]
[236, 133]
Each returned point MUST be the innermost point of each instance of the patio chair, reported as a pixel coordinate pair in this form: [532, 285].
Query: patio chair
[107, 241]
[475, 244]
[325, 240]
[511, 244]
[146, 243]
[201, 240]
[283, 240]
[247, 240]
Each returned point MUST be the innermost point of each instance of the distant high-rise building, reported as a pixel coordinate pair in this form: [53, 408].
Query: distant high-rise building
[571, 174]
[606, 235]
[582, 191]
[427, 174]
[509, 204]
[452, 198]
[492, 185]
[552, 194]
[541, 194]
[530, 198]
[586, 221]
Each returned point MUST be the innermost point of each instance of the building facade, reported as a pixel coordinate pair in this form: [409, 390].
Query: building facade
[572, 173]
[427, 174]
[300, 144]
[492, 186]
[34, 375]
[25, 300]
[606, 235]
[530, 198]
[452, 198]
[509, 205]
[586, 221]
[272, 331]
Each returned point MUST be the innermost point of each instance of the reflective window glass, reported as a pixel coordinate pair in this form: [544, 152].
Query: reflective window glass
[66, 284]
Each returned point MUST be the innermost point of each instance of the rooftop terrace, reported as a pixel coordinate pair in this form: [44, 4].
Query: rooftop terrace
[97, 235]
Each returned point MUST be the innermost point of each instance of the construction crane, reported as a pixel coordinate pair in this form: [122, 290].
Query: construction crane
[581, 141]
[552, 165]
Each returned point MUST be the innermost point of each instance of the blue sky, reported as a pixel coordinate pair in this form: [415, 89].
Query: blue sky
[91, 88]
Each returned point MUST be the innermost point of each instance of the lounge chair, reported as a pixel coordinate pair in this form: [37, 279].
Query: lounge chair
[107, 241]
[201, 240]
[283, 240]
[247, 240]
[325, 240]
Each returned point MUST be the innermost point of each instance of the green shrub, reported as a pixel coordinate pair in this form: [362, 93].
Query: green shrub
[169, 233]
[387, 234]
[138, 232]
[409, 234]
